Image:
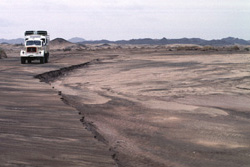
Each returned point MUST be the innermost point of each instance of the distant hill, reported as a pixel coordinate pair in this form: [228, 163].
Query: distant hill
[165, 41]
[236, 41]
[76, 40]
[62, 44]
[148, 41]
[12, 41]
[59, 41]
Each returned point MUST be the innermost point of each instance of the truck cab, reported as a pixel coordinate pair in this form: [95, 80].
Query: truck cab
[36, 47]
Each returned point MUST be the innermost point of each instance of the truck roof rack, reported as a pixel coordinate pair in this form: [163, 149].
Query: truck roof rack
[40, 32]
[28, 33]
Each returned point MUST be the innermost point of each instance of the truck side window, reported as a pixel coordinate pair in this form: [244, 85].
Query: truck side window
[43, 41]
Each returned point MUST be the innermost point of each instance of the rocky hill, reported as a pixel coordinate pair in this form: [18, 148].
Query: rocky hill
[165, 41]
[62, 44]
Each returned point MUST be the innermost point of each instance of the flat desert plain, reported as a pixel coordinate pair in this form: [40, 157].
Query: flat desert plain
[156, 107]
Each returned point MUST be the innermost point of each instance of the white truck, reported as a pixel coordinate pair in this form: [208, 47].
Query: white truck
[36, 45]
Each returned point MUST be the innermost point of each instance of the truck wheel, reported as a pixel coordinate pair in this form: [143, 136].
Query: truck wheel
[42, 60]
[46, 58]
[23, 60]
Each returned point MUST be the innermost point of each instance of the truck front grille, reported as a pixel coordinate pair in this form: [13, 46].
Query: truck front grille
[31, 49]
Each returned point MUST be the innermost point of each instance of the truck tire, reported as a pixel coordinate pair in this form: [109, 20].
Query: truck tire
[46, 57]
[23, 60]
[42, 60]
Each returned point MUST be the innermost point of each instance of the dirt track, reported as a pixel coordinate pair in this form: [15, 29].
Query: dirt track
[37, 128]
[152, 108]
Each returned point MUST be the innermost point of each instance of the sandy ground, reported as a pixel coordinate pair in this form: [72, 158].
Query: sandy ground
[160, 108]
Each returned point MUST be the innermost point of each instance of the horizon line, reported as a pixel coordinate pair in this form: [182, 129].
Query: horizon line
[138, 38]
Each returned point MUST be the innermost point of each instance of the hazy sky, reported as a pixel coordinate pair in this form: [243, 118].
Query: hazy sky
[127, 19]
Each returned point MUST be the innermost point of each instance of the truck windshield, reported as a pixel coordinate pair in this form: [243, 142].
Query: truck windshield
[28, 43]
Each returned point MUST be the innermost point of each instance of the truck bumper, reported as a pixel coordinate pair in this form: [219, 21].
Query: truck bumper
[32, 55]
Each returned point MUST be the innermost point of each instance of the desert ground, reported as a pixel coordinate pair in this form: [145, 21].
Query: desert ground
[138, 105]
